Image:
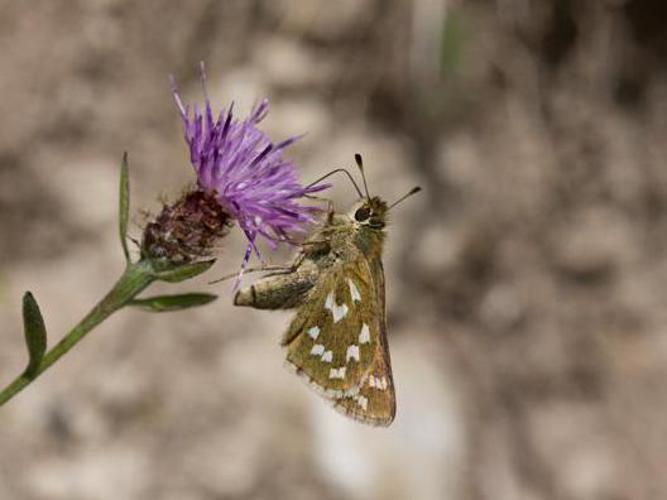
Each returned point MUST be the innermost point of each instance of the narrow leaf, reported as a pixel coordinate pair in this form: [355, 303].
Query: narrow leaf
[164, 303]
[183, 272]
[124, 205]
[35, 332]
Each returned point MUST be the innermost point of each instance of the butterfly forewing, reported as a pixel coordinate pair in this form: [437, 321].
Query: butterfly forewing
[375, 403]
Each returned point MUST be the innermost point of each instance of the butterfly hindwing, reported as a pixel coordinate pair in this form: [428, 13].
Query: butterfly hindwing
[330, 341]
[337, 342]
[375, 402]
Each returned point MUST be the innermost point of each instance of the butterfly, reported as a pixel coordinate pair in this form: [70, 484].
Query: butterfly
[337, 341]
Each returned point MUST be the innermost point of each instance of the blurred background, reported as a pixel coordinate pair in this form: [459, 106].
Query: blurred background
[526, 308]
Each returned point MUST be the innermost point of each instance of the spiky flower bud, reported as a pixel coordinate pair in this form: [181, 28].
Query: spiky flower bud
[187, 230]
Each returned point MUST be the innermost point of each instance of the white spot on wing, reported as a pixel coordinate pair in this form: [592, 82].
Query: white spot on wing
[339, 312]
[337, 373]
[365, 334]
[354, 291]
[317, 350]
[352, 353]
[314, 332]
[327, 357]
[363, 402]
[378, 383]
[329, 302]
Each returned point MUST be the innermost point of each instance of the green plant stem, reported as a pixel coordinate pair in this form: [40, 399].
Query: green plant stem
[133, 281]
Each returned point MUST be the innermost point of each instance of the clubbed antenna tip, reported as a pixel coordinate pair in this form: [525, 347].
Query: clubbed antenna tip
[360, 164]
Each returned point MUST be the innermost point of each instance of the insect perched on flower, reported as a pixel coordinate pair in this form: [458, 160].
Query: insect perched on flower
[241, 175]
[337, 340]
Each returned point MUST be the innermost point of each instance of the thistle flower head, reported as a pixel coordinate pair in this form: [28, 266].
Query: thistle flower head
[246, 172]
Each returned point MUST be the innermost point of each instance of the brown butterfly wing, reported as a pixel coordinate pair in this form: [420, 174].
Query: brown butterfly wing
[325, 334]
[375, 402]
[337, 341]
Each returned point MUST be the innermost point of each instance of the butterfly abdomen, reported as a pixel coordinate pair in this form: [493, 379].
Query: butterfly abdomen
[278, 291]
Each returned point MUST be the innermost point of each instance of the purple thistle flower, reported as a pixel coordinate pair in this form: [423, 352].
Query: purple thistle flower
[246, 171]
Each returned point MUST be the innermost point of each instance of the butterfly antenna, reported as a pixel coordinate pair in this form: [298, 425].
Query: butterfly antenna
[414, 190]
[360, 164]
[335, 171]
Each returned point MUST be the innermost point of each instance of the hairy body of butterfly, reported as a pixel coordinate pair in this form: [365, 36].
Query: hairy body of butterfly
[337, 340]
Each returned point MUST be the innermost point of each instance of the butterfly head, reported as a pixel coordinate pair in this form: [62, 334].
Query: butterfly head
[371, 213]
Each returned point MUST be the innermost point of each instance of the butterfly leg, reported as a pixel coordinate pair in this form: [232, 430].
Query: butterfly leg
[321, 198]
[277, 269]
[330, 205]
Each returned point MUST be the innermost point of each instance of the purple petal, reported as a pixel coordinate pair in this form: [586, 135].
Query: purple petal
[252, 179]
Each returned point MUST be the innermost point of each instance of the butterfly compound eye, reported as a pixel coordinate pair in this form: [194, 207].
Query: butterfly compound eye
[362, 214]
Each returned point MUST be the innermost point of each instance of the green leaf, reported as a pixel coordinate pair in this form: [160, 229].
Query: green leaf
[124, 205]
[165, 303]
[183, 272]
[35, 332]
